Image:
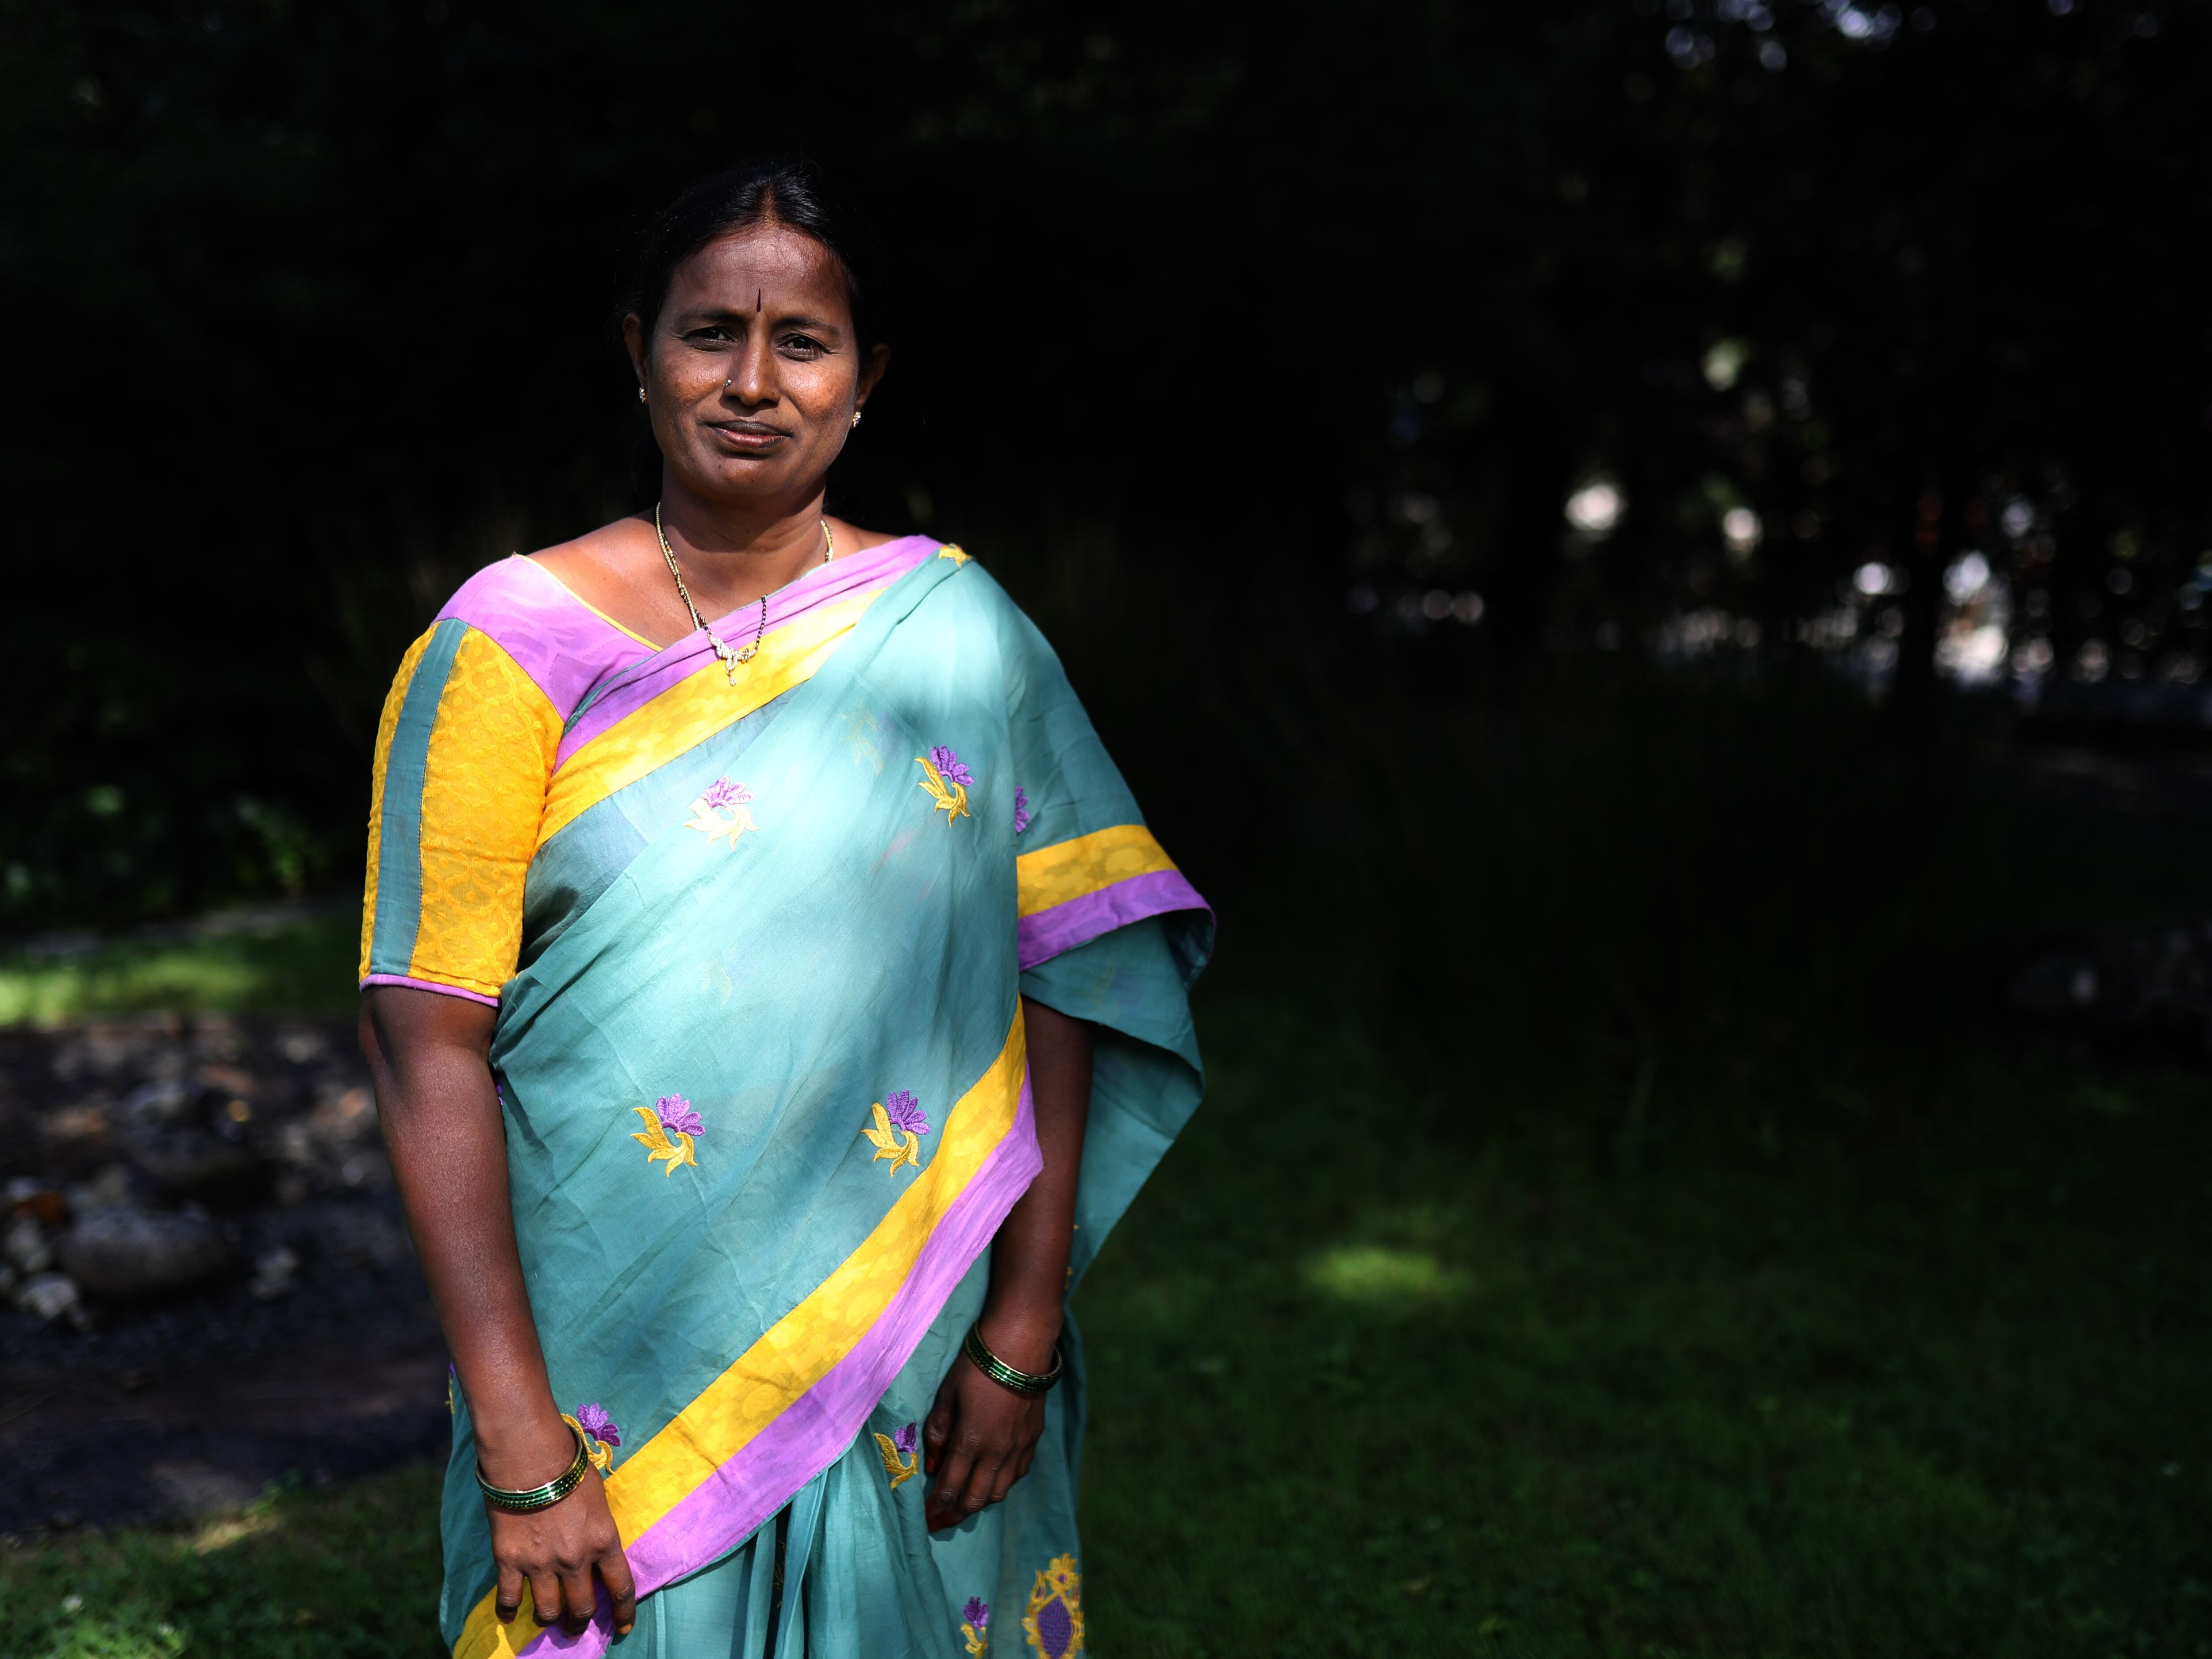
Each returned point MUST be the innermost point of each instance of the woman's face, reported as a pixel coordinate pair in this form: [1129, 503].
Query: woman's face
[752, 374]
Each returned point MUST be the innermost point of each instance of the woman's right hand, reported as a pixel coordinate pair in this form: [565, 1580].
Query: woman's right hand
[560, 1550]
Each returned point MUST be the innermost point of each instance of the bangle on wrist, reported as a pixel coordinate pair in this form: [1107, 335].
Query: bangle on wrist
[1004, 1375]
[539, 1497]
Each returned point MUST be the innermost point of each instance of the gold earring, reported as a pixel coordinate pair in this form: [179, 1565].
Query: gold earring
[641, 394]
[856, 417]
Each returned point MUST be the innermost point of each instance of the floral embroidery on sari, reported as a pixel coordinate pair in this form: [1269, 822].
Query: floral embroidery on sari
[670, 1123]
[975, 1619]
[945, 782]
[722, 811]
[1054, 1624]
[600, 1435]
[899, 1126]
[900, 1458]
[954, 553]
[1023, 816]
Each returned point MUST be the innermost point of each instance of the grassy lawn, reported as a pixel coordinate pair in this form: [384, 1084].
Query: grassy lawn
[1386, 1369]
[306, 966]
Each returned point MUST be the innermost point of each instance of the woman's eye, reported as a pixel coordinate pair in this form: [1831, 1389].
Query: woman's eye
[709, 335]
[805, 344]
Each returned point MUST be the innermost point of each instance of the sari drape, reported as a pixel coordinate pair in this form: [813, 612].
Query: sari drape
[758, 940]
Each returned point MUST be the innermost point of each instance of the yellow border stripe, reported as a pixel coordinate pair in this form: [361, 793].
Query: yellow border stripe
[800, 1348]
[1069, 869]
[693, 710]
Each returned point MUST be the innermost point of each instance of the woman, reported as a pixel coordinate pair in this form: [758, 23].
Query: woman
[773, 997]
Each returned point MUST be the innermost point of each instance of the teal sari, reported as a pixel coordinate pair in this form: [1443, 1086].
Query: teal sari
[761, 1062]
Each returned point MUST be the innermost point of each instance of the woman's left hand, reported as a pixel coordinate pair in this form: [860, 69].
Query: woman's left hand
[980, 1437]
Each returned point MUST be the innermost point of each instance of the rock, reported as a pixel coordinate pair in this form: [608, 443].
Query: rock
[189, 1163]
[25, 1245]
[273, 1272]
[121, 1254]
[50, 1296]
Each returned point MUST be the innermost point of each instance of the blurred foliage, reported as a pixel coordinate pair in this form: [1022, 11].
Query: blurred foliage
[1209, 312]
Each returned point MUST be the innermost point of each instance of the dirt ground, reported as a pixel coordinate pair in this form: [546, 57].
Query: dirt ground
[313, 1356]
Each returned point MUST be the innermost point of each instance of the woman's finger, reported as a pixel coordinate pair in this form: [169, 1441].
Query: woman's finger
[952, 1476]
[983, 1475]
[506, 1601]
[621, 1590]
[580, 1599]
[937, 1427]
[545, 1597]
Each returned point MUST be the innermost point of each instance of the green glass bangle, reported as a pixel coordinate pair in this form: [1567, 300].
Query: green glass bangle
[539, 1497]
[1004, 1375]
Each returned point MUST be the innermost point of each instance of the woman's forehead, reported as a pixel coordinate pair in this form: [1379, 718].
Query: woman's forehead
[761, 264]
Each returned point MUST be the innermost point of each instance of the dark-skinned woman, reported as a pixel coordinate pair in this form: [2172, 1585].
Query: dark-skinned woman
[773, 997]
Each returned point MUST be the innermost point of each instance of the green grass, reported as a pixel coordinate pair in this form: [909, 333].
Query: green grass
[1386, 1369]
[1382, 1374]
[341, 1573]
[304, 967]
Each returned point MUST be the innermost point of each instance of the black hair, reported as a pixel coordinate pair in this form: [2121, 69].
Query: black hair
[780, 190]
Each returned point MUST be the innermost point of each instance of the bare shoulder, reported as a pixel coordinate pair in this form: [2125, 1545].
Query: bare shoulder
[852, 539]
[611, 552]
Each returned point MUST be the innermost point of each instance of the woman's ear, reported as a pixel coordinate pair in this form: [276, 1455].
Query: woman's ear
[880, 359]
[633, 342]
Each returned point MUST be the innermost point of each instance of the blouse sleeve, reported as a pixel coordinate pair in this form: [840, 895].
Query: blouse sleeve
[463, 755]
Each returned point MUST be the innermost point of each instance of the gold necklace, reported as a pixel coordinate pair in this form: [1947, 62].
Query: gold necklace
[730, 658]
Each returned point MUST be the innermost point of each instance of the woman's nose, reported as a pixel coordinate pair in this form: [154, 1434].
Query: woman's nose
[754, 382]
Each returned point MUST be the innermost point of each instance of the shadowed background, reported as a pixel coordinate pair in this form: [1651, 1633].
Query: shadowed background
[1649, 558]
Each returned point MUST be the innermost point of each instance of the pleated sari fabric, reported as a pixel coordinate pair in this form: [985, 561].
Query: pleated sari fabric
[758, 939]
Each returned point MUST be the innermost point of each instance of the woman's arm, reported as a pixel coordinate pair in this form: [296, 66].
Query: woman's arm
[981, 1437]
[427, 1057]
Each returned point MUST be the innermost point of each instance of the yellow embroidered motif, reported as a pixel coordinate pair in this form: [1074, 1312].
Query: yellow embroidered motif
[722, 797]
[670, 1123]
[953, 553]
[945, 782]
[601, 1454]
[1055, 1621]
[978, 1644]
[901, 1146]
[901, 1460]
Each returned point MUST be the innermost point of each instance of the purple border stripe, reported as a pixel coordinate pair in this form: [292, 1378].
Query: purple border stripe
[1043, 935]
[562, 643]
[653, 673]
[814, 1429]
[428, 985]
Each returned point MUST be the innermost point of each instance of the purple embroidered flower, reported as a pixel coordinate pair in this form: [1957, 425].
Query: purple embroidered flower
[905, 1112]
[903, 1440]
[978, 1612]
[597, 1425]
[678, 1117]
[948, 764]
[1055, 1630]
[1022, 813]
[722, 793]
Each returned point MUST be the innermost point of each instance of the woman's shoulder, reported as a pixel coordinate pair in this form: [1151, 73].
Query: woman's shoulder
[562, 644]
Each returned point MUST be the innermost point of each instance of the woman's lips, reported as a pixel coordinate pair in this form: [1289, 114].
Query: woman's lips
[748, 440]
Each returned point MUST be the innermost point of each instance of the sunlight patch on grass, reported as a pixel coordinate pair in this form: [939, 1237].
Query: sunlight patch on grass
[233, 1529]
[1378, 1276]
[306, 967]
